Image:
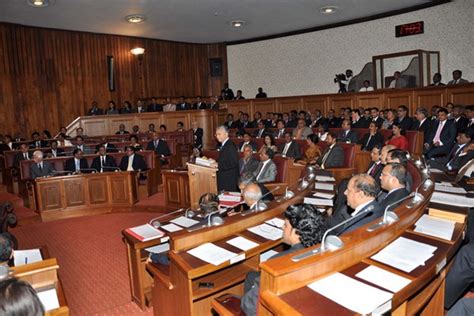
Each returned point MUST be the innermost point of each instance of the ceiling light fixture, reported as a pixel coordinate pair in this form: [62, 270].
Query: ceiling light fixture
[328, 10]
[137, 51]
[38, 3]
[237, 23]
[135, 18]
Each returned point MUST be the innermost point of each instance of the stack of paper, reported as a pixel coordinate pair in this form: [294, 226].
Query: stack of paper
[383, 278]
[405, 254]
[277, 222]
[22, 257]
[323, 195]
[324, 186]
[159, 248]
[49, 299]
[267, 231]
[144, 232]
[172, 227]
[352, 294]
[230, 199]
[449, 189]
[315, 201]
[212, 254]
[430, 225]
[242, 243]
[452, 199]
[325, 179]
[204, 161]
[184, 221]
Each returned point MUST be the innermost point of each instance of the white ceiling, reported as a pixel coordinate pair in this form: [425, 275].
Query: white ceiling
[196, 21]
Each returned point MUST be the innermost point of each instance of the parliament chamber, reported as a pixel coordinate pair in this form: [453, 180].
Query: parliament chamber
[140, 175]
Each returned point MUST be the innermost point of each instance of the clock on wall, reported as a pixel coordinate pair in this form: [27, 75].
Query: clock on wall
[410, 29]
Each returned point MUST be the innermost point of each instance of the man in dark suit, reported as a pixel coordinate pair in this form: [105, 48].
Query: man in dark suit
[360, 193]
[228, 162]
[79, 144]
[54, 151]
[260, 94]
[437, 80]
[459, 120]
[199, 105]
[104, 162]
[372, 138]
[122, 130]
[393, 181]
[248, 164]
[140, 108]
[375, 116]
[244, 123]
[132, 161]
[159, 146]
[457, 78]
[280, 132]
[95, 110]
[247, 141]
[77, 164]
[40, 168]
[332, 120]
[406, 123]
[376, 166]
[459, 280]
[261, 132]
[37, 142]
[267, 170]
[227, 93]
[182, 105]
[357, 120]
[422, 123]
[347, 135]
[198, 133]
[109, 147]
[290, 148]
[333, 156]
[229, 122]
[457, 157]
[21, 155]
[154, 106]
[441, 137]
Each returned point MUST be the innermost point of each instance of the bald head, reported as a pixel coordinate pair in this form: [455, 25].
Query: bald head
[252, 194]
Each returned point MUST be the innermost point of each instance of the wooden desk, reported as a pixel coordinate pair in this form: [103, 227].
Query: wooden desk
[176, 188]
[85, 194]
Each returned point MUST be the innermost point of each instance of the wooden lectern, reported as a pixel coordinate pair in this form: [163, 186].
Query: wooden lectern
[202, 180]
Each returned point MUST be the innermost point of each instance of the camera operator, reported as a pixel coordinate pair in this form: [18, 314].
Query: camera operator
[344, 81]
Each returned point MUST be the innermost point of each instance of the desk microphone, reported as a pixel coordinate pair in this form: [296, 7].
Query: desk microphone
[155, 221]
[259, 205]
[112, 168]
[331, 242]
[390, 217]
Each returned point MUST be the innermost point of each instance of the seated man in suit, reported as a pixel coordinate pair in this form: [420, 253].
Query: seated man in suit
[160, 147]
[122, 130]
[372, 138]
[197, 134]
[247, 141]
[301, 131]
[21, 155]
[77, 164]
[422, 123]
[54, 151]
[280, 133]
[375, 116]
[95, 110]
[37, 142]
[347, 135]
[360, 193]
[393, 181]
[80, 145]
[358, 121]
[457, 78]
[199, 105]
[290, 148]
[182, 105]
[304, 227]
[40, 168]
[376, 166]
[104, 162]
[441, 138]
[400, 156]
[110, 148]
[267, 170]
[261, 131]
[403, 119]
[248, 164]
[132, 161]
[457, 157]
[333, 155]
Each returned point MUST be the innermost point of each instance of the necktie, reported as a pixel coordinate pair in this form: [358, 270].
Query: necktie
[287, 145]
[326, 155]
[280, 134]
[40, 168]
[25, 155]
[368, 141]
[438, 132]
[78, 165]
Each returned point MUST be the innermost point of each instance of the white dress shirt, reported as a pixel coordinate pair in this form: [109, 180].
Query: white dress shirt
[130, 162]
[360, 207]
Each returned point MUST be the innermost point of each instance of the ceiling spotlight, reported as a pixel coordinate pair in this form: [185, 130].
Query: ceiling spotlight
[237, 23]
[38, 3]
[328, 10]
[135, 18]
[137, 51]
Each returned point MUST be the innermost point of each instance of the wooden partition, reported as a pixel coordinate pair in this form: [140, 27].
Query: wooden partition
[381, 98]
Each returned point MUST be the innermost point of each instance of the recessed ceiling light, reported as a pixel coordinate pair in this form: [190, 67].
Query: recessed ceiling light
[137, 51]
[135, 18]
[328, 10]
[237, 23]
[38, 3]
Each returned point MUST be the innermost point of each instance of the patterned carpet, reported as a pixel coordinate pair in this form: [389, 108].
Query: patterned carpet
[92, 260]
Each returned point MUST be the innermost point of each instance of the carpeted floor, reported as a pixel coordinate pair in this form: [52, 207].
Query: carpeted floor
[92, 260]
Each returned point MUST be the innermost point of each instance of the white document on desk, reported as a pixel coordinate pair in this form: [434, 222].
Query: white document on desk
[267, 255]
[315, 201]
[437, 227]
[242, 243]
[352, 294]
[267, 231]
[323, 195]
[171, 228]
[405, 254]
[324, 186]
[451, 199]
[49, 299]
[28, 256]
[212, 254]
[277, 222]
[159, 248]
[383, 278]
[449, 189]
[184, 221]
[325, 179]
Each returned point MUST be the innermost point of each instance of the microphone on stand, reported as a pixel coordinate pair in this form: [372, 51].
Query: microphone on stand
[390, 217]
[155, 221]
[330, 242]
[259, 205]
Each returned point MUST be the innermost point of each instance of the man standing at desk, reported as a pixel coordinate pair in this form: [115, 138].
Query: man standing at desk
[228, 162]
[40, 168]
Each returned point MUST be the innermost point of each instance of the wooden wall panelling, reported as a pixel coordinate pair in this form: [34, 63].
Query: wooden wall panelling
[339, 101]
[244, 106]
[288, 104]
[461, 95]
[96, 124]
[116, 120]
[75, 191]
[264, 106]
[312, 103]
[366, 100]
[399, 97]
[50, 77]
[429, 98]
[98, 190]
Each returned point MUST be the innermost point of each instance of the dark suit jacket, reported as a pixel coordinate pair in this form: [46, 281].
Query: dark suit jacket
[161, 149]
[294, 151]
[378, 121]
[183, 106]
[230, 124]
[361, 123]
[248, 167]
[260, 95]
[201, 106]
[19, 157]
[228, 173]
[111, 148]
[374, 211]
[59, 152]
[93, 111]
[461, 124]
[154, 107]
[243, 125]
[406, 123]
[334, 159]
[257, 132]
[251, 143]
[143, 110]
[350, 138]
[198, 133]
[139, 163]
[456, 159]
[377, 139]
[109, 162]
[376, 172]
[42, 144]
[71, 166]
[425, 128]
[333, 122]
[447, 137]
[393, 197]
[47, 170]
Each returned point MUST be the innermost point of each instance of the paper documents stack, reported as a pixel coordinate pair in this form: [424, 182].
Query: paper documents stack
[437, 227]
[405, 254]
[28, 256]
[212, 254]
[267, 231]
[145, 232]
[452, 199]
